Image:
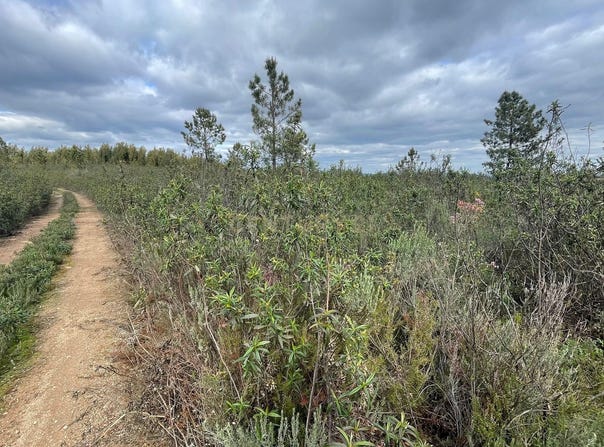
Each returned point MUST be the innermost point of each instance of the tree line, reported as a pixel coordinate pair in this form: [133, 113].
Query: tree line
[80, 156]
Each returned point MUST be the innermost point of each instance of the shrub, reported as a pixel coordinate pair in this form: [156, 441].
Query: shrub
[23, 193]
[24, 281]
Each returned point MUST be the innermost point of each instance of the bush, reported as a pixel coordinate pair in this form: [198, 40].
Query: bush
[390, 308]
[24, 281]
[23, 193]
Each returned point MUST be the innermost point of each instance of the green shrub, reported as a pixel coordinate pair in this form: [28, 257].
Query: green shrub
[24, 281]
[388, 308]
[23, 193]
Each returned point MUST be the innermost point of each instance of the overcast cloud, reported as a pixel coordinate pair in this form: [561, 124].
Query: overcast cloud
[375, 77]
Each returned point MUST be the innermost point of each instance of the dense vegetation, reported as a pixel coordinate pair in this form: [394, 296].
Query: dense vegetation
[24, 281]
[23, 193]
[290, 306]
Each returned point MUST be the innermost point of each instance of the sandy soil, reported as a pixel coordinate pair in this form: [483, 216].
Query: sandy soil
[11, 246]
[71, 395]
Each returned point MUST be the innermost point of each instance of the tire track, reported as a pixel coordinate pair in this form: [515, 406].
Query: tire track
[70, 396]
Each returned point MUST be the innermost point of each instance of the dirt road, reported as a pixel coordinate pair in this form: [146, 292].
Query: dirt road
[70, 396]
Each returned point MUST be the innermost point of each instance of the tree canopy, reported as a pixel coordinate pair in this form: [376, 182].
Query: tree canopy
[514, 135]
[204, 132]
[277, 117]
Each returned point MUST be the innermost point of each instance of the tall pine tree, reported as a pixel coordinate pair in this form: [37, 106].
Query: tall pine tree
[514, 136]
[277, 117]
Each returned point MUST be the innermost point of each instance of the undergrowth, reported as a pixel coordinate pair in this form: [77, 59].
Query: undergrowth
[280, 308]
[23, 193]
[25, 280]
[303, 307]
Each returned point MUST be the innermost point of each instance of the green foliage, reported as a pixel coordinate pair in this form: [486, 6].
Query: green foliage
[78, 157]
[271, 430]
[244, 156]
[23, 193]
[277, 118]
[514, 135]
[308, 308]
[552, 209]
[204, 132]
[10, 154]
[409, 162]
[24, 281]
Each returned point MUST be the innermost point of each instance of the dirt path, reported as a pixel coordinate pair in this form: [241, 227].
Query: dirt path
[11, 246]
[70, 396]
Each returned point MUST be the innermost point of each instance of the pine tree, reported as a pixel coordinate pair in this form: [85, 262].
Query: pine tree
[277, 117]
[204, 132]
[513, 139]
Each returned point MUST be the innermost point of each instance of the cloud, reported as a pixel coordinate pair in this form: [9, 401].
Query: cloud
[36, 128]
[375, 79]
[42, 52]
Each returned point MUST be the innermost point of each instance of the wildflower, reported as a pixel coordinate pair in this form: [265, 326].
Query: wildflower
[468, 211]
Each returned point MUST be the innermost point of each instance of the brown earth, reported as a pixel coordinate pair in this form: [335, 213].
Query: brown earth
[12, 245]
[71, 394]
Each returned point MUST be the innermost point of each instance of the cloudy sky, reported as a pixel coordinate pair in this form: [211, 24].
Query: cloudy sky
[375, 77]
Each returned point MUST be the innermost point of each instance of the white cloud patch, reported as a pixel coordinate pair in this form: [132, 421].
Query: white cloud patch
[11, 123]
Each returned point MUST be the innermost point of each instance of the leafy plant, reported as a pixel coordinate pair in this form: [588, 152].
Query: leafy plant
[24, 281]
